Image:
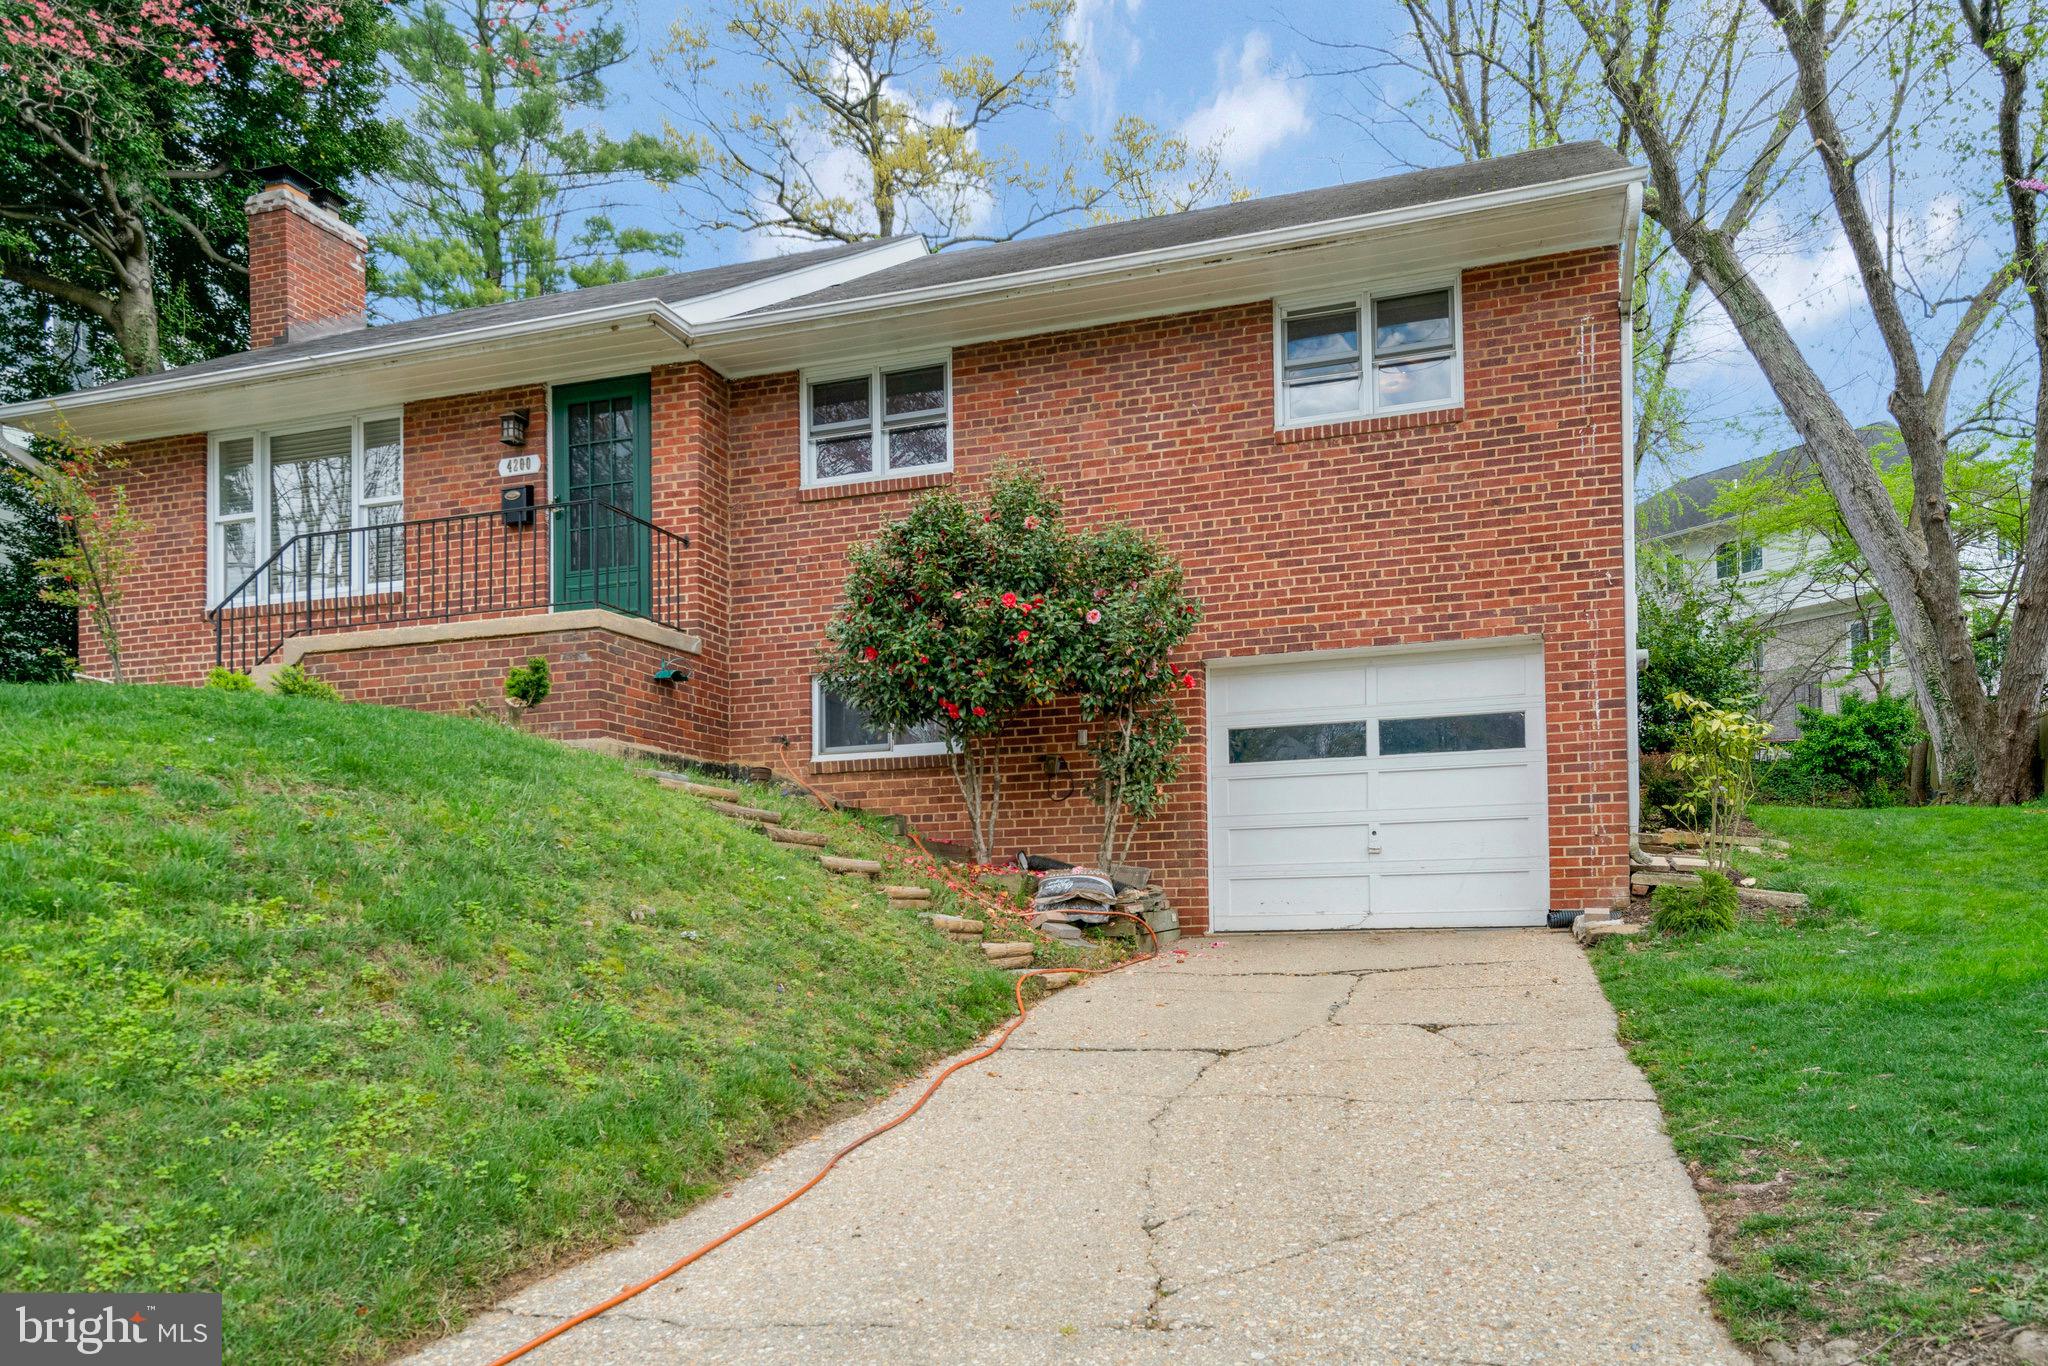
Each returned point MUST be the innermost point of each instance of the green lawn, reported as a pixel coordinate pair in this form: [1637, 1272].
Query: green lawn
[1890, 1052]
[351, 1012]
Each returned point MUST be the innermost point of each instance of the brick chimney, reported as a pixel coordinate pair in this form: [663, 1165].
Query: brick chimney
[305, 261]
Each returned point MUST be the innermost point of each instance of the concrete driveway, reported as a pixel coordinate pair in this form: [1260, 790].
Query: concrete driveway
[1399, 1147]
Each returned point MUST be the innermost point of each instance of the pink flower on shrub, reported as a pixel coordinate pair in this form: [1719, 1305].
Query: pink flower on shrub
[1023, 636]
[922, 660]
[952, 709]
[1031, 524]
[1094, 615]
[981, 711]
[1009, 599]
[870, 652]
[959, 593]
[1187, 680]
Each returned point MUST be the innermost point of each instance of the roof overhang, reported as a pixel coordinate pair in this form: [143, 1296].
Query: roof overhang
[591, 343]
[1423, 242]
[765, 327]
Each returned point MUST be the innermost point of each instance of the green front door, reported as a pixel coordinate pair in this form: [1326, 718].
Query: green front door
[599, 530]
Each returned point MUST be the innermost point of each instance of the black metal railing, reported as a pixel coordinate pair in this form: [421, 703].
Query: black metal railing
[466, 566]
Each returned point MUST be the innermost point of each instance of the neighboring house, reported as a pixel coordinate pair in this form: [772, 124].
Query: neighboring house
[1382, 424]
[1821, 638]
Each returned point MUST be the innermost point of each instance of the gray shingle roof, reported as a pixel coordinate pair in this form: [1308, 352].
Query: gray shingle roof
[1082, 245]
[671, 289]
[1687, 504]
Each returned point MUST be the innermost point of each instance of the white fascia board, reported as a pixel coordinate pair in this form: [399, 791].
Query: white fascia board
[1183, 254]
[794, 284]
[678, 322]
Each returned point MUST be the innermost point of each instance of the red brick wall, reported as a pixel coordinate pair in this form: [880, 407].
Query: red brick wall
[603, 683]
[1503, 518]
[162, 623]
[691, 496]
[299, 273]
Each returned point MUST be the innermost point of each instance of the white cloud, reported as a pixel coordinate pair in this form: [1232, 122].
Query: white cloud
[1106, 49]
[1256, 107]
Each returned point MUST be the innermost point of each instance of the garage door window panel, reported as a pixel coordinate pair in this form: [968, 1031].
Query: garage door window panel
[1453, 734]
[1293, 744]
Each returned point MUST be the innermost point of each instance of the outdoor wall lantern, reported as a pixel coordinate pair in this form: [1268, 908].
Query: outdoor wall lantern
[512, 427]
[671, 671]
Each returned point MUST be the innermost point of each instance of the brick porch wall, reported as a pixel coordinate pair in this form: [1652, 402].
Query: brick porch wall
[603, 684]
[1503, 518]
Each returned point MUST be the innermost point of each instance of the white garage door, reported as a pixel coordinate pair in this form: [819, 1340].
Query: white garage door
[1364, 793]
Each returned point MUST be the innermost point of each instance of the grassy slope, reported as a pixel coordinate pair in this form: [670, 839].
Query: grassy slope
[351, 1011]
[1891, 1053]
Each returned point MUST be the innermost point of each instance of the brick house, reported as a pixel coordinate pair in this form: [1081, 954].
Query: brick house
[1384, 425]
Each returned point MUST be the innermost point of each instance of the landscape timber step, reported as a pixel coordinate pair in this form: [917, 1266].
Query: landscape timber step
[864, 867]
[904, 893]
[783, 835]
[953, 924]
[746, 813]
[1640, 883]
[718, 794]
[1694, 839]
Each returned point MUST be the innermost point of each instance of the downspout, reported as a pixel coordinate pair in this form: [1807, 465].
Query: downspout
[1631, 220]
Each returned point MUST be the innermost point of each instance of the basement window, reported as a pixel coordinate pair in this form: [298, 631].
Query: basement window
[886, 421]
[1375, 353]
[840, 731]
[336, 486]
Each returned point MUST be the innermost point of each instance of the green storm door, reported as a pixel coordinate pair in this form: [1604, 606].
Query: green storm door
[599, 525]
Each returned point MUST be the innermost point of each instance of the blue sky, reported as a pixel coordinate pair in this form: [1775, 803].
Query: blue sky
[1241, 73]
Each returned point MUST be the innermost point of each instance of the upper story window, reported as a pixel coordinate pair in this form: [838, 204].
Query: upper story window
[1870, 643]
[266, 487]
[1738, 558]
[875, 423]
[840, 731]
[1380, 353]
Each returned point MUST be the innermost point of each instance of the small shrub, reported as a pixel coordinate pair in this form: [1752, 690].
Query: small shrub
[1864, 749]
[293, 681]
[227, 680]
[529, 684]
[1708, 908]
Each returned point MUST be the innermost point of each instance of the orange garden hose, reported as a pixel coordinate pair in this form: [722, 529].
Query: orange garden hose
[973, 894]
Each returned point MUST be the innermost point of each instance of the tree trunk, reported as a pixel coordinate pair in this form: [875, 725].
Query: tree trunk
[133, 320]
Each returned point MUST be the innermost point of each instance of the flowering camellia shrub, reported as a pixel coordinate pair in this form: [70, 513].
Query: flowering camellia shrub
[1133, 603]
[964, 614]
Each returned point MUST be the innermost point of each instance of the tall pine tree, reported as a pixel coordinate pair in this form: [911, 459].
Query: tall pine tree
[499, 192]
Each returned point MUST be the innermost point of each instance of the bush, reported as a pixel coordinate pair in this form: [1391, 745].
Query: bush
[293, 681]
[1864, 749]
[1664, 793]
[1708, 908]
[530, 683]
[1699, 645]
[227, 680]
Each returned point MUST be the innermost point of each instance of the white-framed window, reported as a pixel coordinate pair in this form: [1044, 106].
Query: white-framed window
[1389, 351]
[894, 418]
[839, 731]
[1870, 644]
[1738, 559]
[317, 480]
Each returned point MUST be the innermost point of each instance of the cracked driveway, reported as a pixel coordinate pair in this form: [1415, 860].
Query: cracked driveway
[1418, 1146]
